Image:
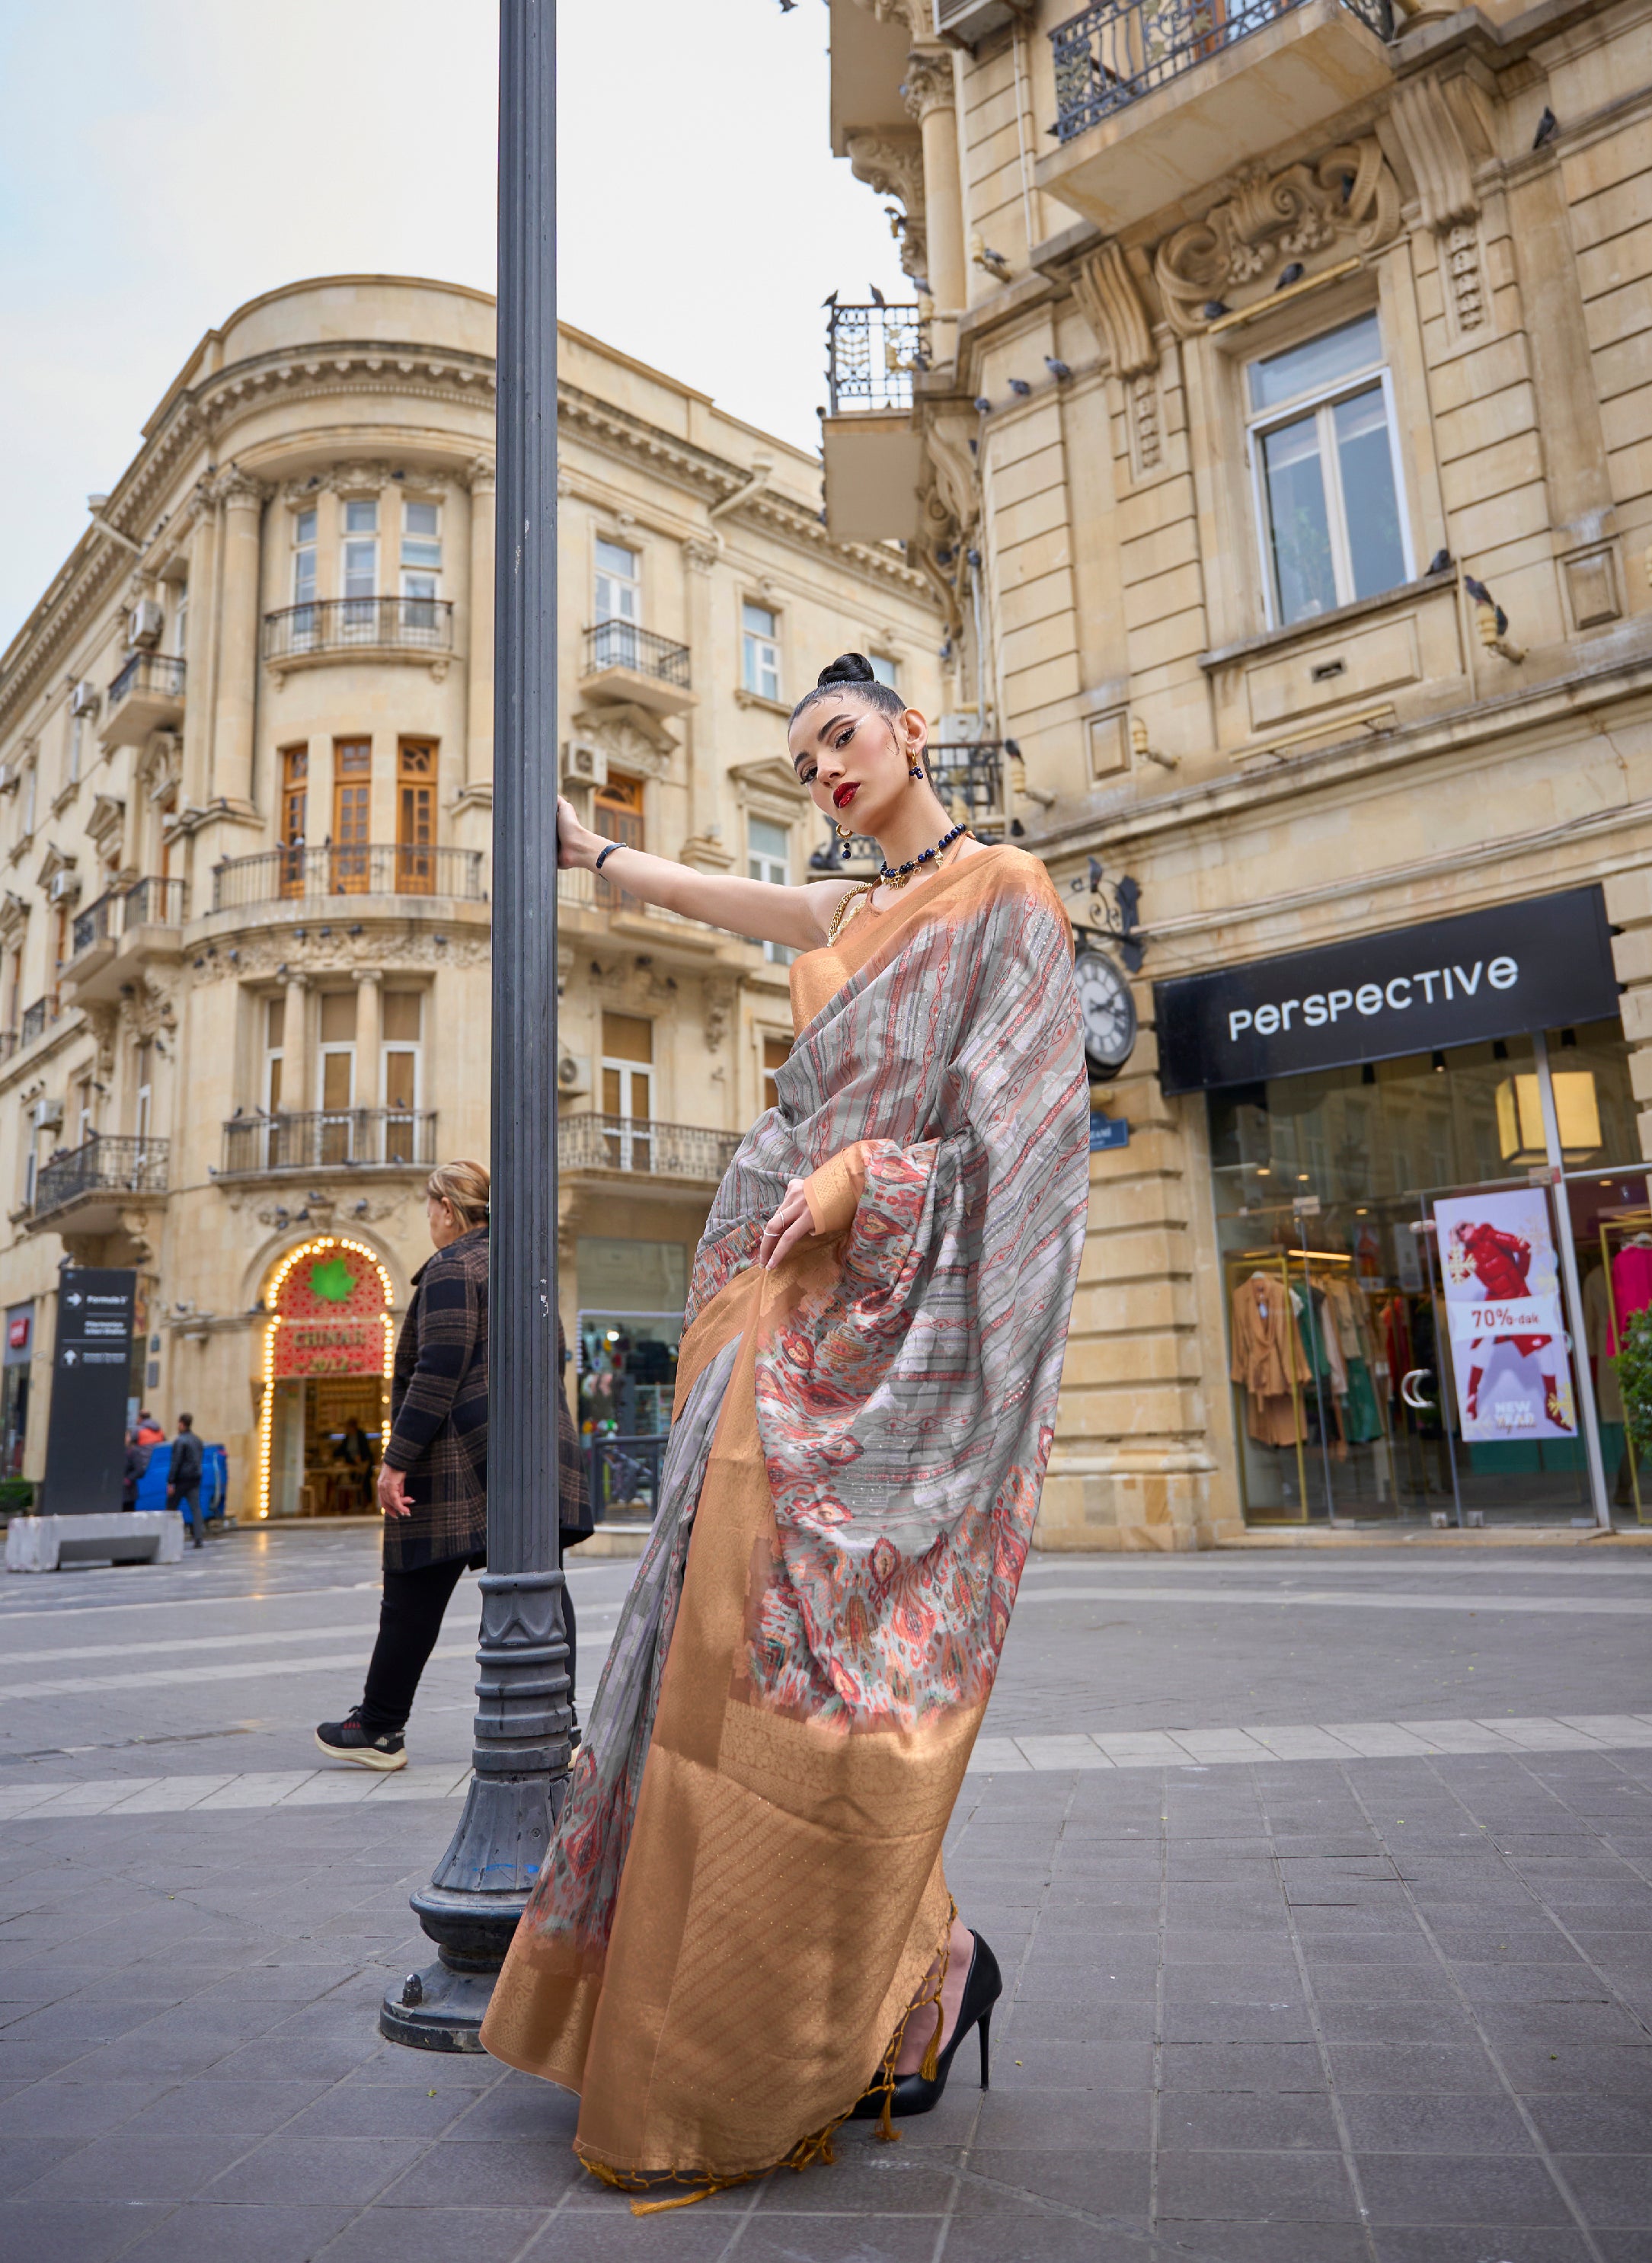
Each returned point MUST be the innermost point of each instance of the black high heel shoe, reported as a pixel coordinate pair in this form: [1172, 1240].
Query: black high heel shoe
[914, 2094]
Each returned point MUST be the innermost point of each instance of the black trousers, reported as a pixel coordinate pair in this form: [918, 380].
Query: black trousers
[409, 1620]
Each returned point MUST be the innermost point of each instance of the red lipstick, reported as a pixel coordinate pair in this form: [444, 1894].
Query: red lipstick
[843, 795]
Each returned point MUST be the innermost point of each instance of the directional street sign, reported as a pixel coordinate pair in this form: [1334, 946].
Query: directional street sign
[86, 1435]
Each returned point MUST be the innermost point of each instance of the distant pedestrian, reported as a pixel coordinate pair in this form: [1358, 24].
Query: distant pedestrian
[433, 1487]
[150, 1433]
[184, 1475]
[136, 1456]
[354, 1450]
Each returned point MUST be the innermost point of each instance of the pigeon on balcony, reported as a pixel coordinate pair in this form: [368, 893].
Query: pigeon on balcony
[983, 404]
[877, 297]
[1548, 128]
[1018, 385]
[1058, 369]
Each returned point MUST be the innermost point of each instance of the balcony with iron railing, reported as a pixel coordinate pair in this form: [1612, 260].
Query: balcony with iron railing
[301, 875]
[1155, 99]
[38, 1018]
[96, 1180]
[137, 921]
[351, 628]
[873, 453]
[147, 695]
[330, 1139]
[620, 661]
[638, 1148]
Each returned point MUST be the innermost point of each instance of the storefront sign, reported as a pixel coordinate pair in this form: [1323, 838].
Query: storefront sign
[324, 1348]
[86, 1433]
[1107, 1131]
[1542, 964]
[1503, 1302]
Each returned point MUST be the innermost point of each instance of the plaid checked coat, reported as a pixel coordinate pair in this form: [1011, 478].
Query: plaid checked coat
[438, 1404]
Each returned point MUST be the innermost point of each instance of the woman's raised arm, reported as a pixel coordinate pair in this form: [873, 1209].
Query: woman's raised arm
[760, 909]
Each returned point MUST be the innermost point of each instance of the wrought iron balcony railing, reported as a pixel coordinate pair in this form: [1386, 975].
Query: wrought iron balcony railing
[1112, 53]
[637, 1145]
[37, 1017]
[145, 903]
[622, 644]
[373, 869]
[156, 674]
[871, 355]
[332, 624]
[323, 1139]
[104, 1164]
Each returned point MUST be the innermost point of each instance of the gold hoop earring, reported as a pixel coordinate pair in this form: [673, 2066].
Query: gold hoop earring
[844, 833]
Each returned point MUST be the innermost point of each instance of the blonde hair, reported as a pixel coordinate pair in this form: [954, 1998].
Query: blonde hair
[463, 1187]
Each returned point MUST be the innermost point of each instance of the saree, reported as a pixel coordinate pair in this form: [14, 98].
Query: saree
[745, 1888]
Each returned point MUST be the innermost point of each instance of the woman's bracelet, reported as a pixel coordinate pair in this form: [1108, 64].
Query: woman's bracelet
[602, 855]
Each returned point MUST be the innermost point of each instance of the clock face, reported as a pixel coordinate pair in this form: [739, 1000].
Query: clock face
[1109, 1011]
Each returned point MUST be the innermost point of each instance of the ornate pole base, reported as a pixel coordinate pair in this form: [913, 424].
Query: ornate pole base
[481, 1885]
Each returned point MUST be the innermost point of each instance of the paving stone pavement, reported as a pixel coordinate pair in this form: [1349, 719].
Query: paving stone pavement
[1342, 2008]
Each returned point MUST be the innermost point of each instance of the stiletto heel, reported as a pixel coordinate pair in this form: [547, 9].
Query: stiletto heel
[913, 2094]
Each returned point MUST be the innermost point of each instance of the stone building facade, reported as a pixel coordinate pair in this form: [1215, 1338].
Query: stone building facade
[1276, 433]
[246, 754]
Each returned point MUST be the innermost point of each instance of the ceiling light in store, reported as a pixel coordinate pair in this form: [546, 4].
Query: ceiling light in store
[1521, 1117]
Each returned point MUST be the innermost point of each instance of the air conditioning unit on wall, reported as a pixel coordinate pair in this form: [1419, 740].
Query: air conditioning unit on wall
[573, 1076]
[63, 886]
[83, 698]
[48, 1115]
[148, 621]
[970, 20]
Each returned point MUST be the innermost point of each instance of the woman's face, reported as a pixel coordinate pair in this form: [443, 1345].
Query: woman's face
[855, 760]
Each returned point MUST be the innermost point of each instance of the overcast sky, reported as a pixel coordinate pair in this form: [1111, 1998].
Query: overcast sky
[165, 160]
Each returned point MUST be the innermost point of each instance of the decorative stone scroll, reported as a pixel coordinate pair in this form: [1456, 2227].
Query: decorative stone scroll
[1441, 131]
[1111, 304]
[1273, 220]
[895, 168]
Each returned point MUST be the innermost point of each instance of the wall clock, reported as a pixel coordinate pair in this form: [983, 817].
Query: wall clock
[1110, 1014]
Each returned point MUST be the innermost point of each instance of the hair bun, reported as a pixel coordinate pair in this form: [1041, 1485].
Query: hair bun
[847, 668]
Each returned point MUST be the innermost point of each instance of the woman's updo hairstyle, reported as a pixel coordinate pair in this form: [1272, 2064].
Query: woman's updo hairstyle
[851, 672]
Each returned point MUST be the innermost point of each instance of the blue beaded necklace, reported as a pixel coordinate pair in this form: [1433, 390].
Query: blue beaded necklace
[897, 876]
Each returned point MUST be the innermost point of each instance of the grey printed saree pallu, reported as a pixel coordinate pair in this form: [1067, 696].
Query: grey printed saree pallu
[746, 1887]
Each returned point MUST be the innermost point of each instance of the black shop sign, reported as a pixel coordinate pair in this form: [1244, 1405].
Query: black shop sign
[91, 1374]
[1540, 965]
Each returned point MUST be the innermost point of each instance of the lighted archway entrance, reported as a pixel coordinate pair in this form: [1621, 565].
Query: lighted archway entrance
[327, 1348]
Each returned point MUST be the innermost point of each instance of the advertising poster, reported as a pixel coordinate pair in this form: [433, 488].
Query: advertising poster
[1503, 1300]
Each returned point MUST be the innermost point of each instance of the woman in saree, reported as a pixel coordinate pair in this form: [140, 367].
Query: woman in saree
[742, 1934]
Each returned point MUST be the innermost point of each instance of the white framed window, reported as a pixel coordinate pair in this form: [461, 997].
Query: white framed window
[275, 1029]
[83, 1111]
[768, 857]
[402, 1071]
[617, 612]
[145, 1109]
[421, 550]
[181, 622]
[885, 669]
[760, 645]
[627, 1053]
[360, 560]
[31, 788]
[77, 744]
[304, 557]
[1324, 459]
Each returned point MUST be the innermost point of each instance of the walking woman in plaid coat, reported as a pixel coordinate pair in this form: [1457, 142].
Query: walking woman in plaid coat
[433, 1487]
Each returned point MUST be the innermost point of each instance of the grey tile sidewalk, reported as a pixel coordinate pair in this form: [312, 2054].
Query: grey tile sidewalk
[1390, 2011]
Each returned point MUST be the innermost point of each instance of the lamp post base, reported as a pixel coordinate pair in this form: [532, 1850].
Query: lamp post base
[442, 2007]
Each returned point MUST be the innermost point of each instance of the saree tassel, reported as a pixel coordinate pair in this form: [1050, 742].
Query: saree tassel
[682, 2200]
[931, 2065]
[886, 2129]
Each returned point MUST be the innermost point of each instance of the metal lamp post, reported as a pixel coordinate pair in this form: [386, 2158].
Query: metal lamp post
[471, 1904]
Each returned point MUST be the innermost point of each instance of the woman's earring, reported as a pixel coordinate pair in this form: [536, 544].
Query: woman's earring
[845, 836]
[914, 771]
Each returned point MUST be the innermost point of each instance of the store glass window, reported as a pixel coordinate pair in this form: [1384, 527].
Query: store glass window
[1326, 462]
[1359, 1211]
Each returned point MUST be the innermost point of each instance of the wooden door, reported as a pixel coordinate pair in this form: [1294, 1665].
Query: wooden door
[416, 817]
[352, 815]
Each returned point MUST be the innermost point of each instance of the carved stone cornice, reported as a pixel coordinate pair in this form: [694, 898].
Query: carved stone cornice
[1441, 138]
[893, 164]
[1273, 219]
[482, 476]
[239, 490]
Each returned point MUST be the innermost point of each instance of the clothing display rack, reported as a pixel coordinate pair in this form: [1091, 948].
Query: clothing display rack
[1307, 1370]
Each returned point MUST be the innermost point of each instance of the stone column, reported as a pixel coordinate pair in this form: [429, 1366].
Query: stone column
[929, 91]
[231, 778]
[478, 737]
[295, 1045]
[198, 685]
[369, 1023]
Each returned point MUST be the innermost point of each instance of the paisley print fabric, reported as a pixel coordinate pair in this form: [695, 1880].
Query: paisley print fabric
[906, 1412]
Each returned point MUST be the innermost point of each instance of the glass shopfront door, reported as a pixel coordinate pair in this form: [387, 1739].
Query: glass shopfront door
[1399, 1318]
